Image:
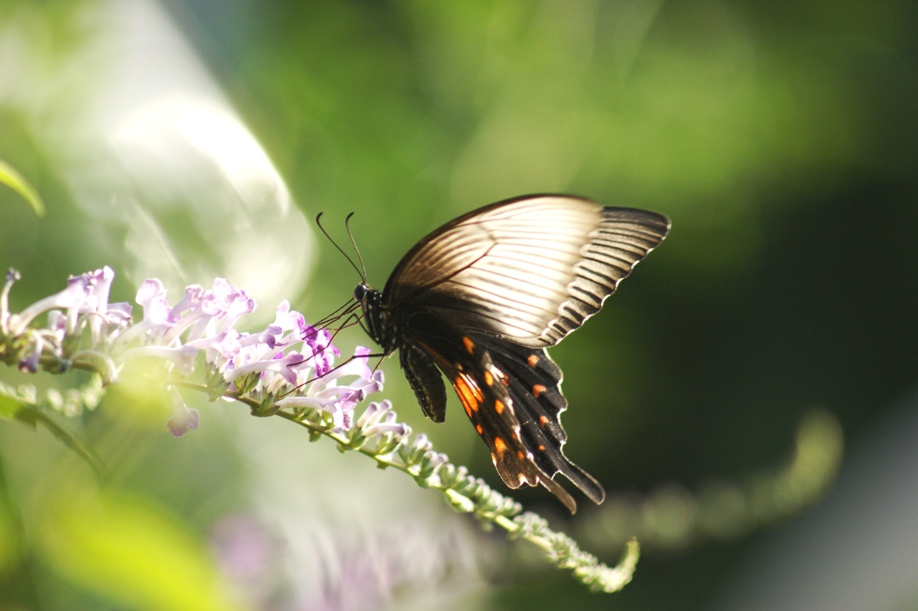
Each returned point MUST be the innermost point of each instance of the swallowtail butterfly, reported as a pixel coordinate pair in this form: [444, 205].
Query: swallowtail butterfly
[481, 298]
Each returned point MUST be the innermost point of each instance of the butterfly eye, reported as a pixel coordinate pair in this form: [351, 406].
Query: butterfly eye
[360, 291]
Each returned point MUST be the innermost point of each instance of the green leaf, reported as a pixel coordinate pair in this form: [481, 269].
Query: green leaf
[15, 181]
[126, 550]
[31, 415]
[12, 409]
[10, 540]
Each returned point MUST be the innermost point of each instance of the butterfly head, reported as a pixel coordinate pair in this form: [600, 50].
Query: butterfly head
[361, 291]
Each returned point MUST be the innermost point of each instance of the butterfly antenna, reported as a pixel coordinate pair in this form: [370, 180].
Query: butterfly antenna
[341, 250]
[350, 234]
[338, 314]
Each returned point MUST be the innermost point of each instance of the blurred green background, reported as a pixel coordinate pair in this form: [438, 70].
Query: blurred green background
[189, 140]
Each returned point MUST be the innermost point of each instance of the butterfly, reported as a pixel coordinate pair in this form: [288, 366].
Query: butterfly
[481, 298]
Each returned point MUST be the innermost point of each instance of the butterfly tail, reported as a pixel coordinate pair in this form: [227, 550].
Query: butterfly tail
[584, 481]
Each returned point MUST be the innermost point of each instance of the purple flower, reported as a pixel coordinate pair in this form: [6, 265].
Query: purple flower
[339, 401]
[183, 417]
[152, 298]
[29, 363]
[379, 419]
[289, 364]
[86, 293]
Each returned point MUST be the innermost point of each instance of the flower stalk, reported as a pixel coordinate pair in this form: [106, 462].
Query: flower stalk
[287, 370]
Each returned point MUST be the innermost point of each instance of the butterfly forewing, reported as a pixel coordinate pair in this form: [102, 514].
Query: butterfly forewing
[531, 269]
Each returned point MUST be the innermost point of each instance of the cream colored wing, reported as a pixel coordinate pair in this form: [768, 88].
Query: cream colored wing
[530, 269]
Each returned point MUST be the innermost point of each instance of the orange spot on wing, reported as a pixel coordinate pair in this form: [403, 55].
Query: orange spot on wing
[543, 420]
[533, 360]
[479, 429]
[499, 407]
[500, 447]
[469, 393]
[541, 448]
[488, 378]
[521, 455]
[469, 344]
[537, 390]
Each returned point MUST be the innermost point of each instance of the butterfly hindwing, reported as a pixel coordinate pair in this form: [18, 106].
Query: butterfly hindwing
[512, 396]
[533, 381]
[523, 451]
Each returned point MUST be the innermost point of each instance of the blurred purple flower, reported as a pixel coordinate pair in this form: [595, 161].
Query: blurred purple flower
[251, 557]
